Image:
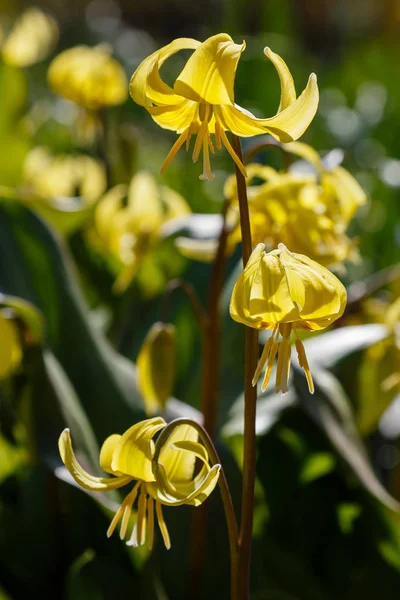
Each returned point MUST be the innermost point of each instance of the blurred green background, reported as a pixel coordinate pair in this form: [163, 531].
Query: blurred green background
[328, 470]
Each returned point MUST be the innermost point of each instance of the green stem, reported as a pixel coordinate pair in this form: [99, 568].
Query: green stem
[194, 301]
[250, 398]
[223, 486]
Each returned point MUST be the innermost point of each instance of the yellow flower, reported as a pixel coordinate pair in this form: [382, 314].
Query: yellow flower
[309, 213]
[88, 76]
[64, 176]
[128, 222]
[32, 38]
[202, 102]
[63, 188]
[284, 291]
[170, 480]
[10, 347]
[156, 366]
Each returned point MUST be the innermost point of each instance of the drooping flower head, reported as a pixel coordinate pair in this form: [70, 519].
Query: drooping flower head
[283, 291]
[308, 212]
[202, 103]
[169, 480]
[89, 77]
[128, 228]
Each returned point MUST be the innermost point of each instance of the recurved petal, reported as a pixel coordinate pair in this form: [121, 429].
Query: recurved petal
[146, 85]
[179, 463]
[176, 117]
[192, 492]
[288, 91]
[82, 477]
[324, 296]
[307, 152]
[107, 451]
[209, 74]
[347, 190]
[286, 126]
[134, 452]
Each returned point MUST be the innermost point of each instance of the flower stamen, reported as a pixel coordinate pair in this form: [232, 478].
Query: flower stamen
[150, 522]
[162, 525]
[185, 135]
[303, 362]
[283, 366]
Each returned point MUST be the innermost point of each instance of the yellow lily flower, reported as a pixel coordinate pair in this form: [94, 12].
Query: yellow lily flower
[127, 223]
[284, 291]
[32, 38]
[89, 77]
[201, 101]
[156, 366]
[10, 347]
[170, 480]
[62, 189]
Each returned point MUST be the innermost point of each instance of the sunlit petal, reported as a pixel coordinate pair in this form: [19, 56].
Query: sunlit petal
[134, 452]
[82, 477]
[288, 91]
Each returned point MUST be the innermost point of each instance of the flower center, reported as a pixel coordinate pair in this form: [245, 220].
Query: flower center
[205, 122]
[143, 529]
[283, 349]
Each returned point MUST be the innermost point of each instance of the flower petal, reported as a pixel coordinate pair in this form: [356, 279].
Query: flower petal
[209, 74]
[176, 117]
[189, 493]
[107, 451]
[286, 126]
[288, 91]
[134, 452]
[146, 85]
[84, 479]
[179, 464]
[261, 294]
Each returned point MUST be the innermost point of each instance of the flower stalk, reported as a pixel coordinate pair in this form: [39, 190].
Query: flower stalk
[250, 398]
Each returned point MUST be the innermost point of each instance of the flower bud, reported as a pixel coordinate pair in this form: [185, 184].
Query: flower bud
[156, 366]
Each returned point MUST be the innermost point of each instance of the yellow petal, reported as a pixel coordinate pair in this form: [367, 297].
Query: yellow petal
[175, 205]
[146, 85]
[82, 477]
[179, 464]
[261, 295]
[209, 74]
[156, 366]
[307, 152]
[134, 452]
[32, 38]
[144, 202]
[347, 190]
[188, 493]
[176, 117]
[107, 451]
[286, 126]
[288, 91]
[324, 296]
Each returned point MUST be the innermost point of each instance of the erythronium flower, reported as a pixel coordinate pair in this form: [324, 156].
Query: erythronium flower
[202, 103]
[284, 291]
[126, 228]
[88, 76]
[169, 480]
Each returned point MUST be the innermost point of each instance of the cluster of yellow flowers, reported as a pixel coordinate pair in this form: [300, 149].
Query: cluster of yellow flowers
[282, 290]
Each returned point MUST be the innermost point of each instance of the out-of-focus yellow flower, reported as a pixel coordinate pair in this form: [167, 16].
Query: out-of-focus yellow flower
[68, 176]
[32, 38]
[201, 101]
[156, 366]
[282, 291]
[308, 213]
[10, 347]
[128, 221]
[89, 76]
[170, 480]
[63, 188]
